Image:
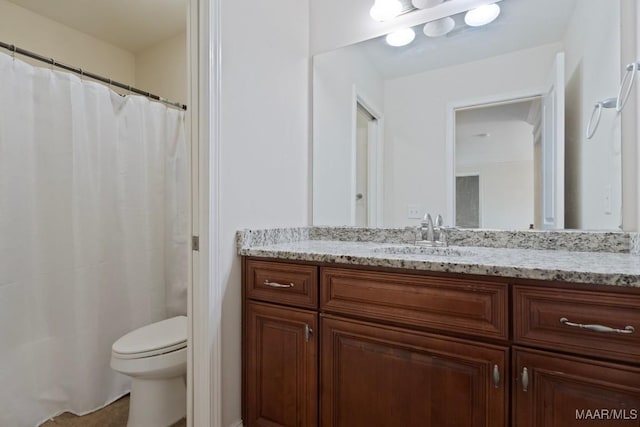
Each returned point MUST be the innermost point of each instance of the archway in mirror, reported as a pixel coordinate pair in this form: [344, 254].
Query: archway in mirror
[498, 165]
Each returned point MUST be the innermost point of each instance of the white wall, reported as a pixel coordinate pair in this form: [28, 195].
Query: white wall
[334, 76]
[592, 57]
[162, 69]
[338, 23]
[415, 123]
[44, 36]
[264, 152]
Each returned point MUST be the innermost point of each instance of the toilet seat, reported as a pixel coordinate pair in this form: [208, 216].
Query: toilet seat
[158, 338]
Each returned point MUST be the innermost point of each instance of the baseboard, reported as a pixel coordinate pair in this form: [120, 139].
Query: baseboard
[236, 424]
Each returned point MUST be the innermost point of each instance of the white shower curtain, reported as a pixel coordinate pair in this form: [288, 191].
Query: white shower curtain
[93, 235]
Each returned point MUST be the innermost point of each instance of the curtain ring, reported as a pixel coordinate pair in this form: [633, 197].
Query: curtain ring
[623, 95]
[13, 51]
[53, 64]
[81, 74]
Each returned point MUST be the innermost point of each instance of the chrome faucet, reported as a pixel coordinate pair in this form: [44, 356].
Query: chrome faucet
[430, 234]
[426, 227]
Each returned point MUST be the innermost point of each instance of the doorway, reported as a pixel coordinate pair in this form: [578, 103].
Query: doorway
[497, 141]
[366, 175]
[366, 126]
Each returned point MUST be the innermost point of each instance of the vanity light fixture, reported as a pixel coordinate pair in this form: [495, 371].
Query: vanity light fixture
[401, 37]
[385, 10]
[482, 15]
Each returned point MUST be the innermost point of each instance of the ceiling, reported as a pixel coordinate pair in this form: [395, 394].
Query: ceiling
[484, 122]
[132, 25]
[522, 24]
[520, 110]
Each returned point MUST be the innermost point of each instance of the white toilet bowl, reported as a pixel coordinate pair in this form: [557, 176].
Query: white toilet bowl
[155, 357]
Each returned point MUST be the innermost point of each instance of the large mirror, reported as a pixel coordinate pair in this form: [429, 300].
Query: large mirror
[485, 125]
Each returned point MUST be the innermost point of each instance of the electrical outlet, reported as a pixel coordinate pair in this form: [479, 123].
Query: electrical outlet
[414, 212]
[608, 194]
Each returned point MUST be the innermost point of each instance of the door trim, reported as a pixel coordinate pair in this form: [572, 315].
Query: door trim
[375, 168]
[204, 404]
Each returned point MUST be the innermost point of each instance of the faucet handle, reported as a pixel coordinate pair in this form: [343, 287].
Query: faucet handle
[439, 221]
[443, 237]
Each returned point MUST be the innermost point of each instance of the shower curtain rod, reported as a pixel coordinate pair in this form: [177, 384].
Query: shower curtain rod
[14, 49]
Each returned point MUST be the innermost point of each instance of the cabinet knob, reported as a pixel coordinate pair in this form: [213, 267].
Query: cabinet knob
[496, 376]
[307, 332]
[525, 379]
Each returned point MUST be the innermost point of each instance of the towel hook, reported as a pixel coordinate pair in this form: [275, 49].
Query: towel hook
[597, 112]
[626, 85]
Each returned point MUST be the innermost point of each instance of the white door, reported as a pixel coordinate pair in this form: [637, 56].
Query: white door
[552, 146]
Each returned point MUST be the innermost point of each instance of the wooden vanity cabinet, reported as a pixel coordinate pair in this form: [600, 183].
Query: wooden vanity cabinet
[280, 344]
[382, 360]
[281, 351]
[338, 346]
[552, 390]
[380, 376]
[380, 368]
[581, 367]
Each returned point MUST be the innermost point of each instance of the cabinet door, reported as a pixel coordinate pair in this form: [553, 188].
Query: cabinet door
[562, 391]
[378, 376]
[282, 366]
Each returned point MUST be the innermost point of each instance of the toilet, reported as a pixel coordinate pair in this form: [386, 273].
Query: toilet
[155, 357]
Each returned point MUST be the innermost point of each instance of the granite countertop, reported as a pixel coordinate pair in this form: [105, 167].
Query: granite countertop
[602, 268]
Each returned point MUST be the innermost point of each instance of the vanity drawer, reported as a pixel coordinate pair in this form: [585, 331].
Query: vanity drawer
[553, 318]
[451, 305]
[282, 283]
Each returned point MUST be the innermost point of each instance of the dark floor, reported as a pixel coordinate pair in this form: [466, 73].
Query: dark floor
[114, 415]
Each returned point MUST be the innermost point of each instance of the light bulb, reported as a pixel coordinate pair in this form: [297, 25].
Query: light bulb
[439, 27]
[401, 37]
[482, 15]
[425, 4]
[385, 10]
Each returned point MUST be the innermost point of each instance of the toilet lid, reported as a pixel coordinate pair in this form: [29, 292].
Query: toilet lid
[157, 338]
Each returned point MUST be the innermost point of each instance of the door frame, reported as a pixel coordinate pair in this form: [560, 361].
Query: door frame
[375, 150]
[450, 140]
[204, 397]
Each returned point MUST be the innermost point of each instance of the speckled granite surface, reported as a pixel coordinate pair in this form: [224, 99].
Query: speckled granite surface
[369, 248]
[570, 240]
[248, 238]
[580, 267]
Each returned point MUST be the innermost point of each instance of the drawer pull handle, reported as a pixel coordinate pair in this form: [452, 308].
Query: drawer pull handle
[496, 376]
[307, 332]
[525, 379]
[598, 328]
[277, 285]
